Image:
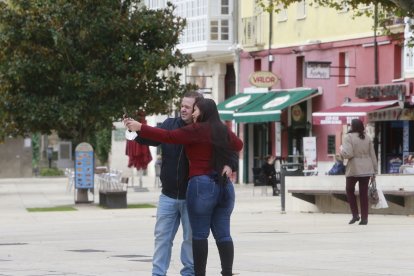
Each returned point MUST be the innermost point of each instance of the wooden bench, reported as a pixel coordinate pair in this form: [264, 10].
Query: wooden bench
[397, 197]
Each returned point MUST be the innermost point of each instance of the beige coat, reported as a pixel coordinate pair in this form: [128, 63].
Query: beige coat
[360, 154]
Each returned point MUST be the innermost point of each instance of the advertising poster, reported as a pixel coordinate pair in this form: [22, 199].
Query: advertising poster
[309, 152]
[84, 166]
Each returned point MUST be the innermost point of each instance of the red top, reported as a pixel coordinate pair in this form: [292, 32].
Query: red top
[196, 141]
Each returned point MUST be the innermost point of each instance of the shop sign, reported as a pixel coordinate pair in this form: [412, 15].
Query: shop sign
[382, 91]
[318, 70]
[263, 79]
[336, 120]
[298, 114]
[406, 114]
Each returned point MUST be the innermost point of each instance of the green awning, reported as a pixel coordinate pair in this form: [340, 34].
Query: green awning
[227, 108]
[269, 107]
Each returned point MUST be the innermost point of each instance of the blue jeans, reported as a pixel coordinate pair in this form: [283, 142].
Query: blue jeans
[169, 213]
[209, 207]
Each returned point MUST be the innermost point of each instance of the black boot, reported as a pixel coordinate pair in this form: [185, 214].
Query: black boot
[226, 251]
[200, 253]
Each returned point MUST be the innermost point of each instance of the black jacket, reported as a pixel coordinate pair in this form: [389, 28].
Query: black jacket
[174, 166]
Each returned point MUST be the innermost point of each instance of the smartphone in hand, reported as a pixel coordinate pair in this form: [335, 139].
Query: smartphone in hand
[224, 179]
[125, 115]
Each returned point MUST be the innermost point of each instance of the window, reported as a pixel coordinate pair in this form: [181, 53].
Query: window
[257, 65]
[282, 14]
[331, 144]
[343, 70]
[155, 4]
[219, 7]
[343, 5]
[409, 59]
[214, 29]
[301, 10]
[299, 70]
[398, 61]
[408, 50]
[225, 8]
[224, 30]
[219, 29]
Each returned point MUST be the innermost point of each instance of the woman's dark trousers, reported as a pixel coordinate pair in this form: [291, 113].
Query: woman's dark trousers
[363, 195]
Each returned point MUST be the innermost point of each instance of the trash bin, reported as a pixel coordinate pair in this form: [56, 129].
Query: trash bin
[288, 169]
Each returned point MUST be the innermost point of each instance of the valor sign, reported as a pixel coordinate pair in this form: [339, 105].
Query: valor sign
[263, 79]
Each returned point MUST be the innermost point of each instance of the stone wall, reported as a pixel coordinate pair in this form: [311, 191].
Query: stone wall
[16, 158]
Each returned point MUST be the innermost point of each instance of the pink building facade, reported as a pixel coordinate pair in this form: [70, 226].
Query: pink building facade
[338, 70]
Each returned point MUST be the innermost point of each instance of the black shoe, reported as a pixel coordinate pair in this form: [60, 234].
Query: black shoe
[353, 220]
[363, 222]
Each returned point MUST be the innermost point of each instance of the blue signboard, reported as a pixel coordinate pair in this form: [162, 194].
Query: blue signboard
[84, 166]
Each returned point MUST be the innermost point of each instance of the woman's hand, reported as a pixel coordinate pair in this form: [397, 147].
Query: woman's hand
[227, 170]
[132, 125]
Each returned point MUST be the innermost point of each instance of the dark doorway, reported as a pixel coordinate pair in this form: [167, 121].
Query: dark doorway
[229, 81]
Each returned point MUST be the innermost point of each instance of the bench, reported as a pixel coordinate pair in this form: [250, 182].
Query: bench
[397, 197]
[112, 190]
[113, 199]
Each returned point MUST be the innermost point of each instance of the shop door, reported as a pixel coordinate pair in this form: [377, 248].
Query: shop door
[256, 147]
[298, 129]
[260, 143]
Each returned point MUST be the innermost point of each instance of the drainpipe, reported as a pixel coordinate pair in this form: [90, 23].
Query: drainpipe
[376, 78]
[270, 57]
[237, 50]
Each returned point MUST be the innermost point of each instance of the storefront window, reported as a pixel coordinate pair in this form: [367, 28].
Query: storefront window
[392, 146]
[331, 144]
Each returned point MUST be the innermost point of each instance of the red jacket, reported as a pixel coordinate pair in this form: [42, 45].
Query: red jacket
[196, 141]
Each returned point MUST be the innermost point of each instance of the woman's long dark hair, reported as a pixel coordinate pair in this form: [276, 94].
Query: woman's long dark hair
[219, 133]
[358, 127]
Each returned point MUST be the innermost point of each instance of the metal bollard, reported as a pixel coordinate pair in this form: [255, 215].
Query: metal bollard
[288, 169]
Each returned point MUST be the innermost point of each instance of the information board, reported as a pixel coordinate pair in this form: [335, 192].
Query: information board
[84, 166]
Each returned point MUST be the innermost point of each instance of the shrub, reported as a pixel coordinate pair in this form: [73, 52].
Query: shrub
[51, 172]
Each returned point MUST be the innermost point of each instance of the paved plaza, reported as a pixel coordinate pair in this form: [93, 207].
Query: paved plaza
[96, 241]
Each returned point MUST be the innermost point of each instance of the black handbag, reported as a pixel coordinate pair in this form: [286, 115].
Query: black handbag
[373, 192]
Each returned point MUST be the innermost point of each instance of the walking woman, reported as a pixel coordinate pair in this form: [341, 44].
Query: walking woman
[361, 166]
[209, 146]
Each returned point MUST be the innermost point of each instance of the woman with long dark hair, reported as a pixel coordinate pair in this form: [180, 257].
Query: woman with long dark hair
[361, 166]
[209, 146]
